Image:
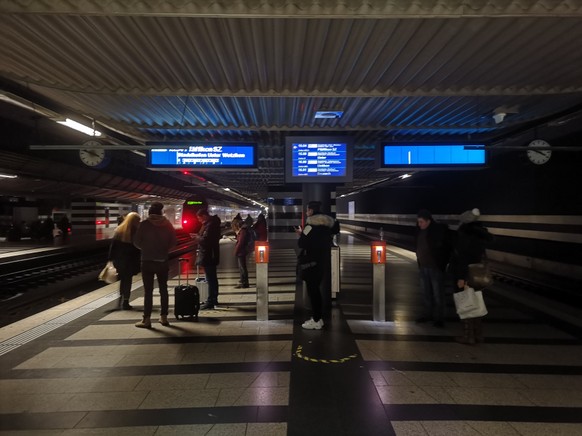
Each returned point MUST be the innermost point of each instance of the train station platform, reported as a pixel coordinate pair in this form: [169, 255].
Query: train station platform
[83, 367]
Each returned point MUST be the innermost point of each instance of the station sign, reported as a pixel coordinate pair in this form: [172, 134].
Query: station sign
[203, 156]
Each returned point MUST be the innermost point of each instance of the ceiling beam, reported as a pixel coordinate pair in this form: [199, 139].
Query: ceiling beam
[299, 9]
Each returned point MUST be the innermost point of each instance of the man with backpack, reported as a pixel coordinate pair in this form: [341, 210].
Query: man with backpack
[245, 245]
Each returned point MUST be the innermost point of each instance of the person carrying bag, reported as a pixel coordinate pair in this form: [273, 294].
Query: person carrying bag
[469, 249]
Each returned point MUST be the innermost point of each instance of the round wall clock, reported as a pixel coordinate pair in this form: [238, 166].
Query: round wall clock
[93, 157]
[539, 152]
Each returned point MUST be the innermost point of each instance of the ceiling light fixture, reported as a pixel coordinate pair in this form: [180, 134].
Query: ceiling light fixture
[80, 127]
[499, 117]
[8, 176]
[328, 114]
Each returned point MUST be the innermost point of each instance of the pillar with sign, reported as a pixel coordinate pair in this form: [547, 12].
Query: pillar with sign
[378, 259]
[262, 265]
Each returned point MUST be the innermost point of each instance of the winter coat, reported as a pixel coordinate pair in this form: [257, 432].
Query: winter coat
[242, 241]
[316, 240]
[439, 239]
[261, 228]
[208, 244]
[471, 240]
[155, 237]
[125, 257]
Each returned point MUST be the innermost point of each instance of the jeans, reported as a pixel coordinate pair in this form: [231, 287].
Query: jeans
[212, 279]
[125, 281]
[242, 269]
[432, 284]
[160, 270]
[315, 297]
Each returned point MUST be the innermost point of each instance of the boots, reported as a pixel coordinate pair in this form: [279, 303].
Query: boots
[164, 320]
[477, 322]
[145, 323]
[468, 337]
[125, 305]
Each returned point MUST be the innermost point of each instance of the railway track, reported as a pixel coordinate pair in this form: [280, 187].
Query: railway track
[28, 286]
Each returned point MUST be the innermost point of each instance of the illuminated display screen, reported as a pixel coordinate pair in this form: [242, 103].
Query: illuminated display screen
[317, 160]
[396, 155]
[215, 156]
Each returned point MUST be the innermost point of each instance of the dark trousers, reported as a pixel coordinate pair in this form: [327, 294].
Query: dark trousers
[242, 269]
[432, 283]
[125, 280]
[149, 269]
[314, 294]
[212, 279]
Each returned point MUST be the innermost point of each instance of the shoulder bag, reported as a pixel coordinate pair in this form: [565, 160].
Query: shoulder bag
[108, 274]
[469, 303]
[479, 276]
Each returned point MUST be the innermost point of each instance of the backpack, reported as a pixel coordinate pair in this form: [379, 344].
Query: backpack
[251, 238]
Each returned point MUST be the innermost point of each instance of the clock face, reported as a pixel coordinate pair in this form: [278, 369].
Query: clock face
[538, 152]
[92, 158]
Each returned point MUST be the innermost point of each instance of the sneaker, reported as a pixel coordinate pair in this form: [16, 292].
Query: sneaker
[164, 320]
[207, 306]
[310, 324]
[144, 324]
[239, 286]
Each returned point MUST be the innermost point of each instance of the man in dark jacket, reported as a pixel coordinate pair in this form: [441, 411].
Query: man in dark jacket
[155, 237]
[241, 250]
[433, 250]
[316, 240]
[209, 254]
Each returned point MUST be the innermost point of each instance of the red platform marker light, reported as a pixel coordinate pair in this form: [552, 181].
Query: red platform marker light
[378, 253]
[261, 252]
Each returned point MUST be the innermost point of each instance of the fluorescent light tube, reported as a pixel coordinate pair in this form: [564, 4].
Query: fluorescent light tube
[80, 127]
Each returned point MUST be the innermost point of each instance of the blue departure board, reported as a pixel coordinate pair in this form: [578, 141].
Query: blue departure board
[215, 156]
[317, 159]
[420, 155]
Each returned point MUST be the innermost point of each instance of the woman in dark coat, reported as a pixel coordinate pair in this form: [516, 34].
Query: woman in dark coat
[315, 240]
[125, 256]
[472, 238]
[261, 228]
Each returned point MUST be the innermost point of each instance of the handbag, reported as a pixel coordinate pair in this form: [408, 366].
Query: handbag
[108, 274]
[469, 303]
[479, 275]
[306, 266]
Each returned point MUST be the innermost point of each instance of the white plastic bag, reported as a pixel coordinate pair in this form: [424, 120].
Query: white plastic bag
[108, 274]
[469, 303]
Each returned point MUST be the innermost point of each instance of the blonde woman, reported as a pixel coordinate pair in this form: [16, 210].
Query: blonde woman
[125, 256]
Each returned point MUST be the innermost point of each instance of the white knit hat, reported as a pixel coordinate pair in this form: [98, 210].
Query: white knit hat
[469, 216]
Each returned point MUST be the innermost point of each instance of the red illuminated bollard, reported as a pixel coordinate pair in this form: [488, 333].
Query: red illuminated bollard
[262, 265]
[378, 259]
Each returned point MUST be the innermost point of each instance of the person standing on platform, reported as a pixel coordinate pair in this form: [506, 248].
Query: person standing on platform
[209, 254]
[236, 223]
[433, 251]
[125, 256]
[472, 238]
[155, 237]
[315, 241]
[261, 227]
[241, 250]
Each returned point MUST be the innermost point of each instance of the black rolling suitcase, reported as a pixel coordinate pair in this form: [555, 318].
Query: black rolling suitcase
[186, 298]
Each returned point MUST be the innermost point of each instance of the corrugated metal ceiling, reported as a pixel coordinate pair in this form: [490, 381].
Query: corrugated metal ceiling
[258, 70]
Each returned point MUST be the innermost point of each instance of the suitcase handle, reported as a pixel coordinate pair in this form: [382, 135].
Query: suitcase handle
[183, 259]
